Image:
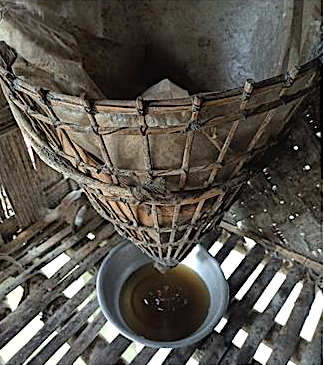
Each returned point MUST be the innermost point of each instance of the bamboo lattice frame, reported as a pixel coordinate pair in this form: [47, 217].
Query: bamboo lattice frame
[191, 209]
[65, 322]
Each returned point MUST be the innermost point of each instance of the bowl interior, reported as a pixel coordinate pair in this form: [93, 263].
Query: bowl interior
[126, 258]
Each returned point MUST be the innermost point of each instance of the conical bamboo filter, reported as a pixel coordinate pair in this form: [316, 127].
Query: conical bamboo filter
[162, 171]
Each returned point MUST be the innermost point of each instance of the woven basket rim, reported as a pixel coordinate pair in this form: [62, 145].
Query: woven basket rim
[153, 106]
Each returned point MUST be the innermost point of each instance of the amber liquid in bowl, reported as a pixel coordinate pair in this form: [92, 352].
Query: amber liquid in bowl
[164, 307]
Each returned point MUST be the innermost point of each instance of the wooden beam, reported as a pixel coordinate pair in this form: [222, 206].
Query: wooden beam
[273, 246]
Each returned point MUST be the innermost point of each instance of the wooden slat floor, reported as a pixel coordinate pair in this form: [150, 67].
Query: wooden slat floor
[77, 320]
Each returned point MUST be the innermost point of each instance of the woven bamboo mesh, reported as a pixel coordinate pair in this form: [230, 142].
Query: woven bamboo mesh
[162, 171]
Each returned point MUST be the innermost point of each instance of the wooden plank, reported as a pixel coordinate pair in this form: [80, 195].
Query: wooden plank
[243, 307]
[261, 324]
[239, 312]
[180, 355]
[273, 246]
[71, 327]
[213, 347]
[23, 237]
[289, 335]
[232, 358]
[43, 236]
[209, 238]
[272, 336]
[34, 253]
[245, 269]
[112, 353]
[102, 233]
[53, 323]
[296, 34]
[240, 275]
[227, 248]
[144, 356]
[218, 350]
[6, 288]
[313, 352]
[312, 33]
[34, 304]
[80, 255]
[84, 340]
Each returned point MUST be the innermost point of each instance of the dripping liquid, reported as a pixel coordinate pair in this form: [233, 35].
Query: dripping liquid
[164, 307]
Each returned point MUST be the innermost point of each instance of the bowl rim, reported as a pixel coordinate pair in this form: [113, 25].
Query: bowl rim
[193, 338]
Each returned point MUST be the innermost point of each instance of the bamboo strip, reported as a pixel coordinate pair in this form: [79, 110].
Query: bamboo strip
[157, 227]
[180, 355]
[174, 222]
[194, 218]
[292, 77]
[245, 269]
[34, 253]
[136, 223]
[216, 142]
[181, 243]
[76, 156]
[313, 352]
[241, 309]
[25, 237]
[103, 147]
[111, 353]
[185, 160]
[227, 247]
[261, 325]
[70, 328]
[225, 147]
[181, 198]
[60, 164]
[18, 319]
[197, 211]
[53, 323]
[114, 212]
[195, 109]
[84, 340]
[89, 248]
[289, 335]
[6, 288]
[212, 122]
[214, 346]
[144, 356]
